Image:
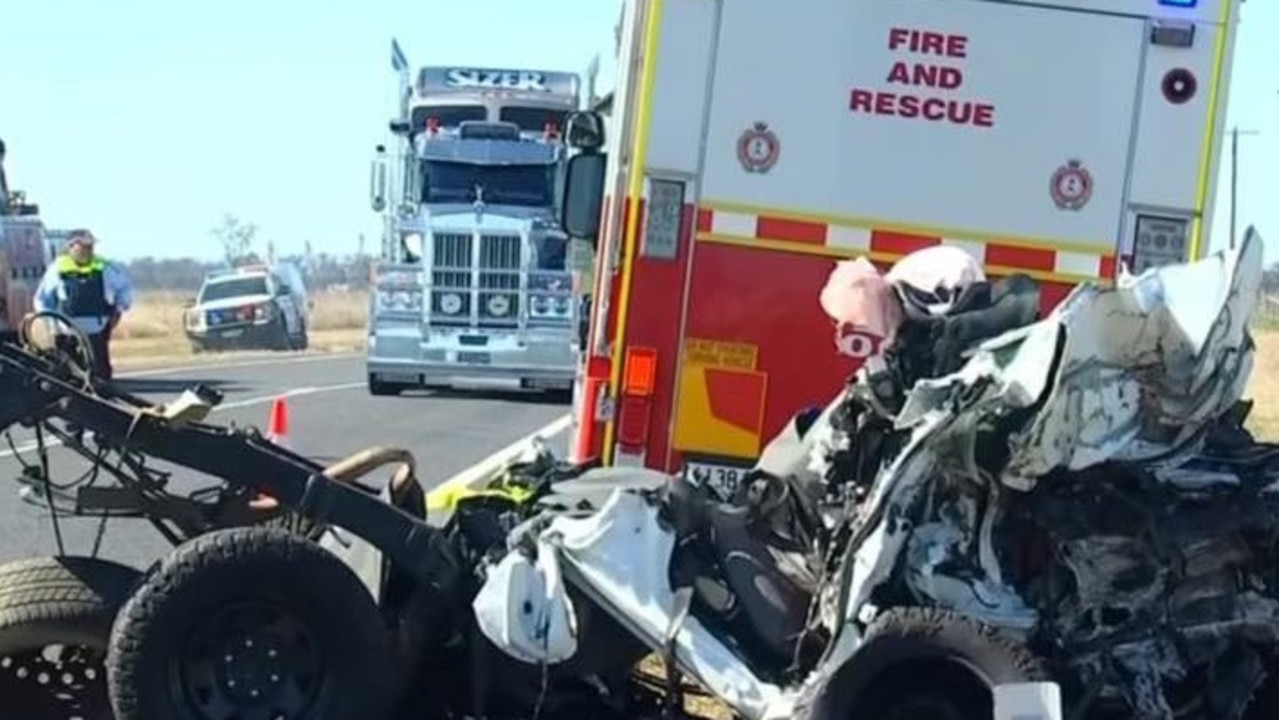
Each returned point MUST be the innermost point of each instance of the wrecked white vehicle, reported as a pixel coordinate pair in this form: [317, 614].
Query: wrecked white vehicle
[1077, 503]
[1069, 514]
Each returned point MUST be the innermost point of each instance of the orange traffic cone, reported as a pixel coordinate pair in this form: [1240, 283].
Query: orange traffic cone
[277, 431]
[278, 424]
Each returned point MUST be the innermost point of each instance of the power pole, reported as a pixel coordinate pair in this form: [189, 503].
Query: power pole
[1235, 132]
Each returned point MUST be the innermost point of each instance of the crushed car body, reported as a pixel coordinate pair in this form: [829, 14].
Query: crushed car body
[1074, 523]
[1081, 484]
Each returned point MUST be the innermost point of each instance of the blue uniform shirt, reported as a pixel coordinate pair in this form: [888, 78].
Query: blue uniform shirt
[118, 287]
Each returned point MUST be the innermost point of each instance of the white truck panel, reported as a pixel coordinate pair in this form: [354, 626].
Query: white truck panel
[1170, 137]
[625, 94]
[679, 87]
[1038, 69]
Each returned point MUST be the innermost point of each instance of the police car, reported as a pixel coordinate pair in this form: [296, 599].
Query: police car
[250, 307]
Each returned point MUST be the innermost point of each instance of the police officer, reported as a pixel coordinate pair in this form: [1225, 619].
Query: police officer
[89, 290]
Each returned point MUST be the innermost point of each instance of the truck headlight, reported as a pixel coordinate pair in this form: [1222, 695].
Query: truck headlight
[499, 305]
[550, 307]
[451, 303]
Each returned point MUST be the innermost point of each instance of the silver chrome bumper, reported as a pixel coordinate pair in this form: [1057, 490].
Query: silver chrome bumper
[532, 360]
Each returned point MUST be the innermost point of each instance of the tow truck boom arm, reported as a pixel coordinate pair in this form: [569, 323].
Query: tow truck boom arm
[37, 387]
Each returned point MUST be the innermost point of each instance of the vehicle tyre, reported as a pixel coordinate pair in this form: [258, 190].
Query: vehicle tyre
[383, 389]
[250, 622]
[283, 340]
[304, 338]
[927, 664]
[55, 621]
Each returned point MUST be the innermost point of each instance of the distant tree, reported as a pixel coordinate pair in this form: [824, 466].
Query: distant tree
[236, 238]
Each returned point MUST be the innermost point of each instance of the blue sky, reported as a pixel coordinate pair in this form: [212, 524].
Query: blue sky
[146, 120]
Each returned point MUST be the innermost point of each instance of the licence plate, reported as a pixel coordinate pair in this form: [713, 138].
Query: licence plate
[233, 333]
[473, 358]
[722, 479]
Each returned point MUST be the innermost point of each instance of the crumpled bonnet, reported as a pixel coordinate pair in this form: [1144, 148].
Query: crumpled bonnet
[857, 295]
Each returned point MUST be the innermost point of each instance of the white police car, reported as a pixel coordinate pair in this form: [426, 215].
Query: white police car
[250, 307]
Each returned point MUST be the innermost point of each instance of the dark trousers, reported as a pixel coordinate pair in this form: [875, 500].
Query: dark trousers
[100, 343]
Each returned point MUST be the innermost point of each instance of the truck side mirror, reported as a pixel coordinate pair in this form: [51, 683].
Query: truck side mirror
[378, 181]
[583, 195]
[584, 130]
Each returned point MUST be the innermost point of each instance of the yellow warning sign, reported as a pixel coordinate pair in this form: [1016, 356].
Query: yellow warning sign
[720, 354]
[721, 399]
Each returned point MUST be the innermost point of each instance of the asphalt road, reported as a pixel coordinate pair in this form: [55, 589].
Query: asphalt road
[331, 416]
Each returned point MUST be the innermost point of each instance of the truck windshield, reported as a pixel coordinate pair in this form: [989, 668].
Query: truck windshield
[239, 287]
[527, 185]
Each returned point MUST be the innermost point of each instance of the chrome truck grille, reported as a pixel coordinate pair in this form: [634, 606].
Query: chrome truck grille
[476, 286]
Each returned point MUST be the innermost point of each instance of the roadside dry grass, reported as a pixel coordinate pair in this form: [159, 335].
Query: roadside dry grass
[1263, 386]
[151, 332]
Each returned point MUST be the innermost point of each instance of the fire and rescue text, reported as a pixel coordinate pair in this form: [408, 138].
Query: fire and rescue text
[915, 74]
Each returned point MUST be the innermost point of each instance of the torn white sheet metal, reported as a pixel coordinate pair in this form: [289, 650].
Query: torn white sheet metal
[933, 545]
[1143, 368]
[1146, 367]
[524, 608]
[624, 554]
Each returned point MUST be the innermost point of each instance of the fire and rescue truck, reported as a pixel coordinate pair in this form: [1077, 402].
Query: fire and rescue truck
[753, 144]
[473, 288]
[24, 254]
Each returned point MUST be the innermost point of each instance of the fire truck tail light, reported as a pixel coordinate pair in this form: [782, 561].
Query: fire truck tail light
[641, 372]
[632, 423]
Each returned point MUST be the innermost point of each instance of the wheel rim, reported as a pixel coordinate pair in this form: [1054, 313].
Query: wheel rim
[251, 661]
[55, 681]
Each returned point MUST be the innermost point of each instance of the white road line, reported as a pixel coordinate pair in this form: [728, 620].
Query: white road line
[476, 473]
[247, 402]
[172, 369]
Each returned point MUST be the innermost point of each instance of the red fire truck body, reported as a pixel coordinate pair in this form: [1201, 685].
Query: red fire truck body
[751, 145]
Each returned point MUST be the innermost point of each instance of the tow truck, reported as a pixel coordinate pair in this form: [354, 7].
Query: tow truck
[473, 288]
[751, 145]
[24, 255]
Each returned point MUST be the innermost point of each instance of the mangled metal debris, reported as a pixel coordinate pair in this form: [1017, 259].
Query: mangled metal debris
[1075, 517]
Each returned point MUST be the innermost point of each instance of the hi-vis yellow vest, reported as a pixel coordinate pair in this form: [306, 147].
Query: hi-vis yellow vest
[84, 291]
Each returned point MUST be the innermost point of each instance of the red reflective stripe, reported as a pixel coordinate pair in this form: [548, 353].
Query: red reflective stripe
[705, 219]
[896, 243]
[1021, 257]
[801, 231]
[1109, 265]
